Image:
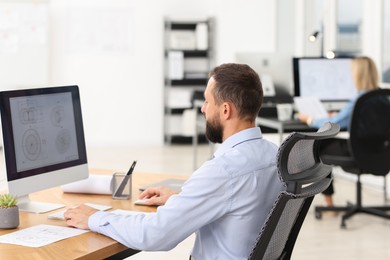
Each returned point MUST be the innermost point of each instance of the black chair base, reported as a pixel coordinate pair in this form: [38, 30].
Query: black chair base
[351, 210]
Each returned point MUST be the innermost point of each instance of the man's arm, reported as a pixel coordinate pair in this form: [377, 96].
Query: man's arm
[78, 217]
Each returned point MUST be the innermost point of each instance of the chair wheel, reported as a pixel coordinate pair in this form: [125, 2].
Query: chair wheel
[318, 215]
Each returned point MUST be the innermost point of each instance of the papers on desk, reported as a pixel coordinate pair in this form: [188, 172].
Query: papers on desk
[173, 184]
[40, 235]
[95, 184]
[310, 106]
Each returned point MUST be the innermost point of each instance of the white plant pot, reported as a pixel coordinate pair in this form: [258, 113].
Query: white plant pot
[9, 217]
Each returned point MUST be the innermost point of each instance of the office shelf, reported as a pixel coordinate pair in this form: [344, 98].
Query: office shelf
[184, 25]
[186, 82]
[179, 139]
[191, 53]
[189, 56]
[175, 111]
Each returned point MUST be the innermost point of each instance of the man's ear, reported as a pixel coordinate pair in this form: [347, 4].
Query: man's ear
[226, 112]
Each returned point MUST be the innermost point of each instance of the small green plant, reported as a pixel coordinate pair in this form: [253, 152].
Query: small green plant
[7, 201]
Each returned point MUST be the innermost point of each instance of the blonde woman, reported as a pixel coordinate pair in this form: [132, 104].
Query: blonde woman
[365, 77]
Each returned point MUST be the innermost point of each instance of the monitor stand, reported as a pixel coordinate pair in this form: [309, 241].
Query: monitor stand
[25, 204]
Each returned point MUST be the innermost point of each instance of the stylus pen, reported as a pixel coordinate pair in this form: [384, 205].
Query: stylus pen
[122, 186]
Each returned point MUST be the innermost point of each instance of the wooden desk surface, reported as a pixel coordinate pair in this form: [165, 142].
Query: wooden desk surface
[86, 246]
[273, 122]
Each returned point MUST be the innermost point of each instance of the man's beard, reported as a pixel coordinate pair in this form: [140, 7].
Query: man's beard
[214, 131]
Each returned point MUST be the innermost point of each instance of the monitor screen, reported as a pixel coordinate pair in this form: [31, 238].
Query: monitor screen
[43, 138]
[327, 79]
[277, 65]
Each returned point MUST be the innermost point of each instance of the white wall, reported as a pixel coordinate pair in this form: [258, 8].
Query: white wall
[121, 75]
[245, 26]
[372, 30]
[122, 86]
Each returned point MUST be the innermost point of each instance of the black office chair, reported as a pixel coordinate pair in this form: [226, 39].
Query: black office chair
[369, 147]
[304, 176]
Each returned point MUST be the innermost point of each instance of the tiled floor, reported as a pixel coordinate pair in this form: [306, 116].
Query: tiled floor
[366, 237]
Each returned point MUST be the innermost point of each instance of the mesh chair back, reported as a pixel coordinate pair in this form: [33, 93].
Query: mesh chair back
[370, 132]
[304, 176]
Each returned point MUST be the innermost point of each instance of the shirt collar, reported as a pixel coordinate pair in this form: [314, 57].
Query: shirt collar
[242, 136]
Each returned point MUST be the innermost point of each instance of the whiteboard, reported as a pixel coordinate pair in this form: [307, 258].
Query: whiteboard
[24, 48]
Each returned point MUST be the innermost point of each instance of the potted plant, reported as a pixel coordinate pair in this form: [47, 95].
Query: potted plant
[9, 212]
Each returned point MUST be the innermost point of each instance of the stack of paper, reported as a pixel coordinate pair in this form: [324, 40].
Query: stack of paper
[310, 106]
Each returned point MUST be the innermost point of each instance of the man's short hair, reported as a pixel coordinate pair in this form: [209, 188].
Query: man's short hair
[240, 85]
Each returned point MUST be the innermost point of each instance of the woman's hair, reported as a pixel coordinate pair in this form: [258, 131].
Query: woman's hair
[240, 85]
[365, 73]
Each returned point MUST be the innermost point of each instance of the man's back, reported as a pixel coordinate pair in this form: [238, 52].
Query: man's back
[240, 184]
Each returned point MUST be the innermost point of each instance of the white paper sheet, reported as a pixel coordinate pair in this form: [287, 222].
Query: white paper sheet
[40, 235]
[95, 184]
[310, 106]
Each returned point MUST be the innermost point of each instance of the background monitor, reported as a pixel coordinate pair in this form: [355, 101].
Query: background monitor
[43, 140]
[327, 79]
[276, 65]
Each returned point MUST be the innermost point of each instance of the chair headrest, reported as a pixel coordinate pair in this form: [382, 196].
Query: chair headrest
[298, 156]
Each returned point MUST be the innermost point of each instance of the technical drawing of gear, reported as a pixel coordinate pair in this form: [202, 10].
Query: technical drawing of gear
[28, 115]
[63, 141]
[57, 115]
[31, 144]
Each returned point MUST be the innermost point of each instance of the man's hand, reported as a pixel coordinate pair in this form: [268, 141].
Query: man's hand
[156, 195]
[78, 217]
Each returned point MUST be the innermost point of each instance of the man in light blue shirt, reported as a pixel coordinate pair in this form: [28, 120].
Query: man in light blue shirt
[226, 201]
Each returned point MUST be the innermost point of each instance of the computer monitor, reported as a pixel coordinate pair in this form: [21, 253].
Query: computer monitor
[276, 65]
[328, 79]
[43, 140]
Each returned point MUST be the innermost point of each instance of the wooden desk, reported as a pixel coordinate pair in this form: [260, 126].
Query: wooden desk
[291, 125]
[86, 246]
[282, 126]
